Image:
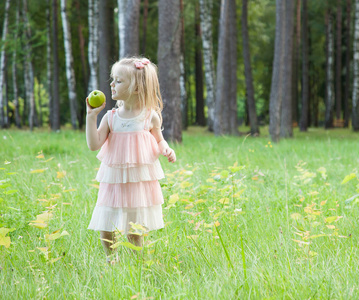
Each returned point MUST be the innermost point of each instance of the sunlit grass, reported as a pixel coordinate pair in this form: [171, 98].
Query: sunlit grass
[245, 218]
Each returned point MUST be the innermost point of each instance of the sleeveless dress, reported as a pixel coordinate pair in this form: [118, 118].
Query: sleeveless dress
[129, 190]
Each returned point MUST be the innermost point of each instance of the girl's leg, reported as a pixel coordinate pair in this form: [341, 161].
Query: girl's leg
[135, 239]
[106, 245]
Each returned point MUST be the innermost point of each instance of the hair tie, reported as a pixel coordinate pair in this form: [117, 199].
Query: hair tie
[141, 64]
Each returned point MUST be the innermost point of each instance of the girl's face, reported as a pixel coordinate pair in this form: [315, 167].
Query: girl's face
[120, 84]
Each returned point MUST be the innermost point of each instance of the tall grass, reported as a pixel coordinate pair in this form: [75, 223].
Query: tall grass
[245, 219]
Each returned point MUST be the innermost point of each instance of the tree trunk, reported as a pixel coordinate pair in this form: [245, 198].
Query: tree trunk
[251, 105]
[277, 92]
[122, 9]
[48, 61]
[338, 72]
[93, 53]
[2, 65]
[106, 34]
[169, 67]
[222, 85]
[232, 55]
[184, 99]
[355, 106]
[40, 103]
[70, 73]
[14, 70]
[55, 123]
[80, 27]
[305, 71]
[200, 119]
[226, 95]
[296, 64]
[286, 129]
[144, 27]
[208, 58]
[347, 65]
[329, 72]
[132, 16]
[29, 72]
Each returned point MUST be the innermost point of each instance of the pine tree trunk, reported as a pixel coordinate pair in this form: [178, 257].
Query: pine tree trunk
[48, 62]
[251, 105]
[122, 8]
[277, 92]
[80, 28]
[222, 84]
[338, 72]
[6, 85]
[40, 104]
[2, 65]
[93, 53]
[296, 64]
[106, 33]
[286, 129]
[184, 100]
[169, 35]
[329, 72]
[55, 123]
[144, 27]
[305, 71]
[355, 98]
[208, 58]
[132, 17]
[347, 65]
[200, 119]
[70, 73]
[232, 55]
[29, 72]
[14, 69]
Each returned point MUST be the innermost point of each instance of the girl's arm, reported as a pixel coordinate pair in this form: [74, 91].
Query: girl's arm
[96, 137]
[157, 133]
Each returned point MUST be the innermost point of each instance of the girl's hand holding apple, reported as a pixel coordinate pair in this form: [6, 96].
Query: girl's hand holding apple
[94, 110]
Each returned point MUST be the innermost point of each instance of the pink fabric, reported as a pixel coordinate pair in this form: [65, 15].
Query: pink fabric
[125, 149]
[132, 194]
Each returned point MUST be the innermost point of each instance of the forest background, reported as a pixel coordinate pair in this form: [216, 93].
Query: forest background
[285, 63]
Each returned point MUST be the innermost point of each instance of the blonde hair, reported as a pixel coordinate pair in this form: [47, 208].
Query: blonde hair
[144, 80]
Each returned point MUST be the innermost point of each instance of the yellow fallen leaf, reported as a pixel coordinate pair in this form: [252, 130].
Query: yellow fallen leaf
[189, 206]
[61, 174]
[224, 201]
[38, 171]
[95, 186]
[296, 216]
[173, 199]
[40, 156]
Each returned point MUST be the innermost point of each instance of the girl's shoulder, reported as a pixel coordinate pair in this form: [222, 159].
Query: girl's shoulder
[155, 119]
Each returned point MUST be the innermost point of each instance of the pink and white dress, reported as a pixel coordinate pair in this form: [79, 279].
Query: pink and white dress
[129, 173]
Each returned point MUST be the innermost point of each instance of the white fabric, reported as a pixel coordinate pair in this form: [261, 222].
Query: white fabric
[110, 219]
[130, 174]
[130, 125]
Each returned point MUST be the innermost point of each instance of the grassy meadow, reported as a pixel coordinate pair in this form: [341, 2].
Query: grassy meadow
[245, 219]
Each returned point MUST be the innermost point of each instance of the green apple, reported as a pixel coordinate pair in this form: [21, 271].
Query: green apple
[96, 98]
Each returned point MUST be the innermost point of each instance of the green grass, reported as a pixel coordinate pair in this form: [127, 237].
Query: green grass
[245, 219]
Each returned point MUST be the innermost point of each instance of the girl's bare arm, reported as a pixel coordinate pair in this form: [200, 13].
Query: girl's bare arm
[96, 137]
[163, 145]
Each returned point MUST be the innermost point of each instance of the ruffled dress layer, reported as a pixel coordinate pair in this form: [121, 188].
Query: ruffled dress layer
[128, 176]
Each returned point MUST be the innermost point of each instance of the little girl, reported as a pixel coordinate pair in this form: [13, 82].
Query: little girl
[131, 141]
